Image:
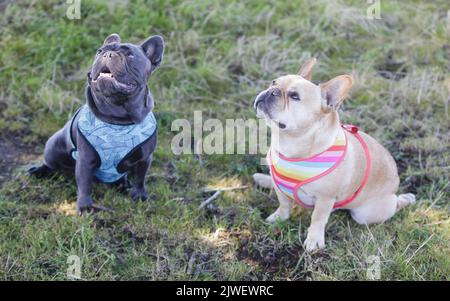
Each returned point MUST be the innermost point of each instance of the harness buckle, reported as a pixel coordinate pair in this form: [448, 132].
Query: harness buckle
[351, 128]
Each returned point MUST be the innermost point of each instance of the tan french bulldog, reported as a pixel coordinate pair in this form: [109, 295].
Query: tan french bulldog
[316, 162]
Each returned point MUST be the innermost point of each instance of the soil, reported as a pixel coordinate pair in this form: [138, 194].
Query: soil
[14, 153]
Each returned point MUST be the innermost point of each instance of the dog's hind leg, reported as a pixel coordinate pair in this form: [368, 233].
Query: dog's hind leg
[263, 180]
[381, 209]
[49, 164]
[56, 155]
[39, 171]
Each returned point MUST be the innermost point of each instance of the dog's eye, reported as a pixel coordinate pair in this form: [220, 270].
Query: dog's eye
[294, 96]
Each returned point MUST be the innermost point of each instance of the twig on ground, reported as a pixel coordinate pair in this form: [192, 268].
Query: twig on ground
[210, 199]
[225, 188]
[218, 191]
[267, 196]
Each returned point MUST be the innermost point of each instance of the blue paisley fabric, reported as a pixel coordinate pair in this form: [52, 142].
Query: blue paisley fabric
[112, 142]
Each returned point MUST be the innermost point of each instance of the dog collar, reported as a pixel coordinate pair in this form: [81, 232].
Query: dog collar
[289, 174]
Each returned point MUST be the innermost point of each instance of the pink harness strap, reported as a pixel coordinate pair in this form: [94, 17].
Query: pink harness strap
[354, 130]
[283, 179]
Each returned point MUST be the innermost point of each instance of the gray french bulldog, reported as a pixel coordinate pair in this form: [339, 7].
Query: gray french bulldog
[114, 133]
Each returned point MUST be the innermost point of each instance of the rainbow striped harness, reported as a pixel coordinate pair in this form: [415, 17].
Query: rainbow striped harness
[289, 174]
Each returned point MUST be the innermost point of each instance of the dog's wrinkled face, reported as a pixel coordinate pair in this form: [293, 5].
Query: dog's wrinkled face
[291, 102]
[120, 70]
[294, 103]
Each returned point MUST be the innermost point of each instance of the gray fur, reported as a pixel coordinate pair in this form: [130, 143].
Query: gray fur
[124, 99]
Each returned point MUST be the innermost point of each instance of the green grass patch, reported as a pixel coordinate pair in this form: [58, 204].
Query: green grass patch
[218, 56]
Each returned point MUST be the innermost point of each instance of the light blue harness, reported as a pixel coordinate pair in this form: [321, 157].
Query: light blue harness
[112, 142]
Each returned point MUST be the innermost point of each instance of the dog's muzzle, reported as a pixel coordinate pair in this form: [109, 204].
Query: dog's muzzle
[261, 96]
[267, 96]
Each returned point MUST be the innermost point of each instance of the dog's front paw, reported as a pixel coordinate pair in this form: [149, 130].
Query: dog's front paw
[139, 194]
[314, 241]
[86, 205]
[277, 216]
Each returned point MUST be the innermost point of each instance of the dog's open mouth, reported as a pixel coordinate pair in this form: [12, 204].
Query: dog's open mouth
[106, 76]
[104, 72]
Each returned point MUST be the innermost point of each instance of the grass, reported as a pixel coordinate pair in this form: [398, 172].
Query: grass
[218, 56]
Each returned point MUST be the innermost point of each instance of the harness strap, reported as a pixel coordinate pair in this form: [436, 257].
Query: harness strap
[354, 130]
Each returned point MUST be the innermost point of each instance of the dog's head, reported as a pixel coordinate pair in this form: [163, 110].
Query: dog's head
[122, 69]
[293, 103]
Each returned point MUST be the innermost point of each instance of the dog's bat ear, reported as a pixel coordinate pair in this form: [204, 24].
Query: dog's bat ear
[153, 48]
[335, 91]
[307, 68]
[112, 38]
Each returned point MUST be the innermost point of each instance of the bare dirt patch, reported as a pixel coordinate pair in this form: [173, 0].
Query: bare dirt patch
[13, 153]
